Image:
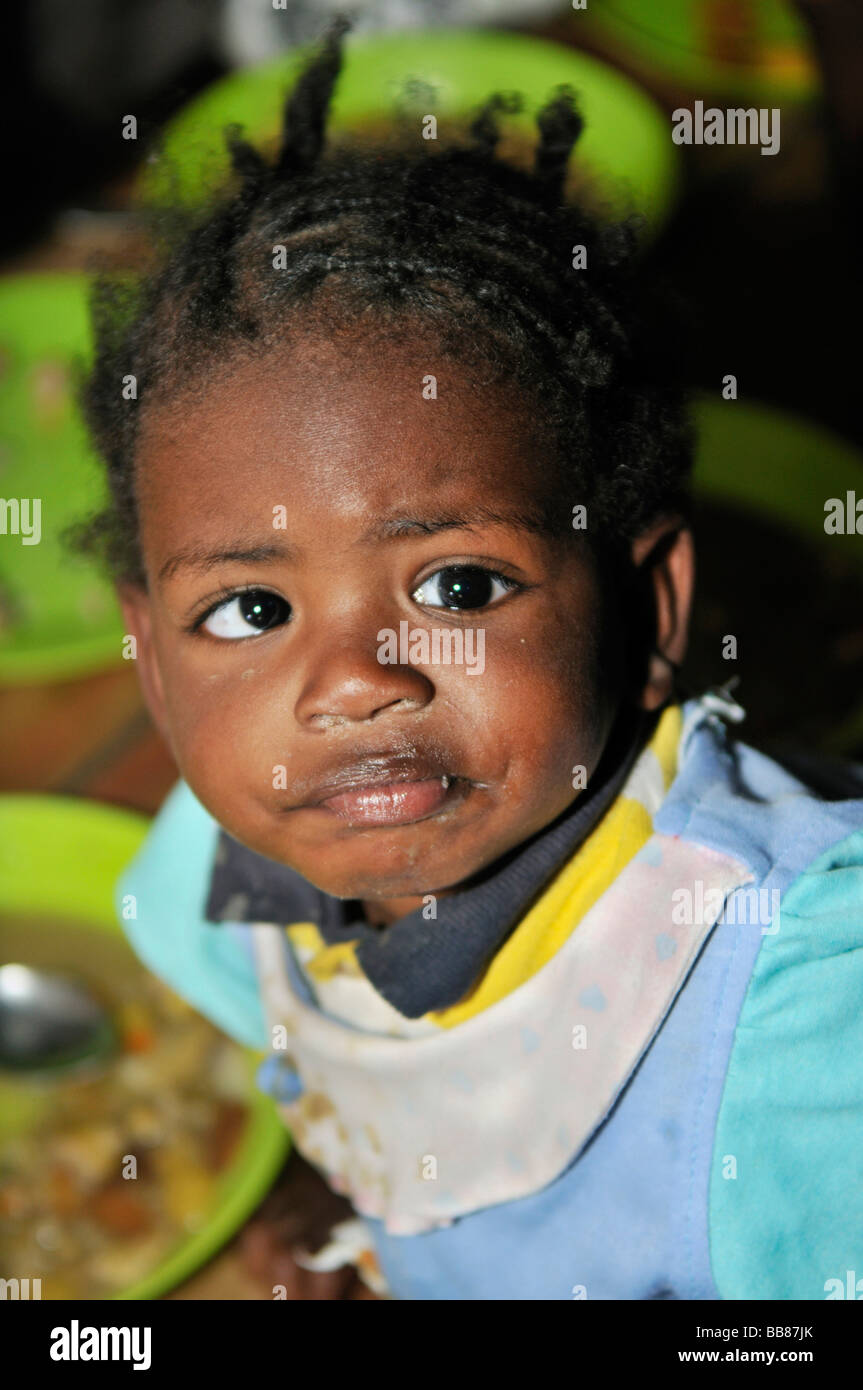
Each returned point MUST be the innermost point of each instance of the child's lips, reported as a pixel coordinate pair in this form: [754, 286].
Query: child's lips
[384, 787]
[394, 803]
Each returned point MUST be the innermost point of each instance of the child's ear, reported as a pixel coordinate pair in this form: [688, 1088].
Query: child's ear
[665, 559]
[135, 604]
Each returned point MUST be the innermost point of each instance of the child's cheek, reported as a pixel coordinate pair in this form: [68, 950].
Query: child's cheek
[538, 707]
[218, 728]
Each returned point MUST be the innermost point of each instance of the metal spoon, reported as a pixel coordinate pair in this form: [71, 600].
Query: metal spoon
[49, 1021]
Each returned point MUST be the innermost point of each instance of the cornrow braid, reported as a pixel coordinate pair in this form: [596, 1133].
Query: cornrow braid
[478, 250]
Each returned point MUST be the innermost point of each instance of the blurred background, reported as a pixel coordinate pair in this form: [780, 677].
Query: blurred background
[762, 249]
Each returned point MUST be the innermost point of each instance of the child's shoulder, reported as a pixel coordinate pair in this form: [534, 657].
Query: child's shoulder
[786, 1203]
[776, 816]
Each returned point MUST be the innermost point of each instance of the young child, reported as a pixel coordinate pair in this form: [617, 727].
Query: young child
[399, 522]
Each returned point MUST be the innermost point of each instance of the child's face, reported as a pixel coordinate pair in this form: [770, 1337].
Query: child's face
[322, 477]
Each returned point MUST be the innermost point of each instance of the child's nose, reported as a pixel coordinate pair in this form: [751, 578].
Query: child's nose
[345, 682]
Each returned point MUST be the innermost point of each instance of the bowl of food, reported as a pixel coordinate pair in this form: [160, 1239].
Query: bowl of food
[122, 1173]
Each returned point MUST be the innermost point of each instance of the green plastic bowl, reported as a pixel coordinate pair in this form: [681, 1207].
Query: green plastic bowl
[776, 464]
[779, 466]
[758, 50]
[60, 855]
[58, 615]
[626, 148]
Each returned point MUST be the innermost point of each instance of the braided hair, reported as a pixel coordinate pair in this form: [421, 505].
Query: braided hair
[475, 250]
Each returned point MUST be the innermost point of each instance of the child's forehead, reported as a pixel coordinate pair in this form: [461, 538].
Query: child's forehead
[335, 417]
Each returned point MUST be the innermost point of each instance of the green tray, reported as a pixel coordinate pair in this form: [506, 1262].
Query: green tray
[58, 614]
[60, 855]
[625, 148]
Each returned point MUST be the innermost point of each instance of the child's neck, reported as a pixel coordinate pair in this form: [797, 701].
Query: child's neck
[381, 914]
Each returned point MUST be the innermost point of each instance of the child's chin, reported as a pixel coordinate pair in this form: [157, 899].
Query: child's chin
[371, 883]
[377, 862]
[373, 887]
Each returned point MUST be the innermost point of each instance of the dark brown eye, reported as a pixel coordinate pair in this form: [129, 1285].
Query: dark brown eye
[244, 615]
[462, 587]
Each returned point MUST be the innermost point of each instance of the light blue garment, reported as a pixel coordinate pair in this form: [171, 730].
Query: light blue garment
[791, 1217]
[212, 967]
[758, 1059]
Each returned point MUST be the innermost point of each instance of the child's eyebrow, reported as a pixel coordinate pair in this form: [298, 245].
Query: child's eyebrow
[393, 528]
[197, 558]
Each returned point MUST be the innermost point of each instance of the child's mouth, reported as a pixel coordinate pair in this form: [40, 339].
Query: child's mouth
[394, 803]
[385, 787]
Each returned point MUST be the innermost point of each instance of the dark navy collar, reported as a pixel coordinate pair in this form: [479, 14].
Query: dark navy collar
[422, 965]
